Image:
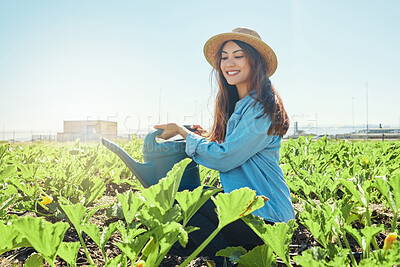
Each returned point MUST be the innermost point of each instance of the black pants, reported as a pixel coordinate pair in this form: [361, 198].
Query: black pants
[237, 233]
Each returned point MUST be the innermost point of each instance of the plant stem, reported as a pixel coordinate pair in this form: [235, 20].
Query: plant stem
[201, 247]
[353, 260]
[394, 221]
[123, 262]
[367, 215]
[85, 248]
[373, 240]
[104, 254]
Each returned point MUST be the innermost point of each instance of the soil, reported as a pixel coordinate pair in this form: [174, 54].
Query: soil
[302, 239]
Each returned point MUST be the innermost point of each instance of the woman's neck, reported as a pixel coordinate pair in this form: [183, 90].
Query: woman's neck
[242, 90]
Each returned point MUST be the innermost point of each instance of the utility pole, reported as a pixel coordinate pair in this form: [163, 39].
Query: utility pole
[352, 102]
[159, 107]
[366, 97]
[195, 112]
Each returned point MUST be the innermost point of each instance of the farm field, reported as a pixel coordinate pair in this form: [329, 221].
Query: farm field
[79, 205]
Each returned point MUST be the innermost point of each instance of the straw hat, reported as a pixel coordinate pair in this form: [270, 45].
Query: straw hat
[246, 35]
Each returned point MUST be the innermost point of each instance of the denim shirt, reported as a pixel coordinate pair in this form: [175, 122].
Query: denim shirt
[248, 157]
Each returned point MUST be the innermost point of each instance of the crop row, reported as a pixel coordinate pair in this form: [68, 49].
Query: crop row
[335, 183]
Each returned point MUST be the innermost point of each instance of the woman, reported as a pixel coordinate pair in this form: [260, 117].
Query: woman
[245, 139]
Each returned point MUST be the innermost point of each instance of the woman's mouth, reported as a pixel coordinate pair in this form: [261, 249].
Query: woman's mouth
[232, 73]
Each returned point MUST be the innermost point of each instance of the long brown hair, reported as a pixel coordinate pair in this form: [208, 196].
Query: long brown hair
[267, 96]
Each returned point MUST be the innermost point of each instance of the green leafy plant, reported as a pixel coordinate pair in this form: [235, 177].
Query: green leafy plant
[43, 236]
[317, 256]
[319, 220]
[229, 208]
[153, 217]
[390, 189]
[79, 216]
[277, 236]
[258, 256]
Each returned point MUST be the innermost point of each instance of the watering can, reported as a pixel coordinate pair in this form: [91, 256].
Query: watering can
[159, 158]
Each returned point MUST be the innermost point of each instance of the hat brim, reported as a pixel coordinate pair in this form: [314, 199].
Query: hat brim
[213, 45]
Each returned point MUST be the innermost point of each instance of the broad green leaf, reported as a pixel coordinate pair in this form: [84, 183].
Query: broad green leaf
[162, 194]
[191, 201]
[233, 253]
[130, 202]
[345, 206]
[75, 213]
[364, 236]
[337, 256]
[107, 232]
[369, 233]
[171, 232]
[100, 237]
[152, 217]
[6, 201]
[4, 150]
[69, 251]
[9, 190]
[314, 257]
[395, 183]
[208, 176]
[8, 171]
[382, 185]
[130, 232]
[27, 170]
[133, 247]
[229, 208]
[115, 262]
[45, 237]
[317, 232]
[29, 189]
[11, 238]
[235, 205]
[357, 236]
[276, 236]
[92, 231]
[115, 211]
[34, 260]
[258, 256]
[96, 189]
[92, 211]
[150, 251]
[394, 254]
[319, 220]
[359, 196]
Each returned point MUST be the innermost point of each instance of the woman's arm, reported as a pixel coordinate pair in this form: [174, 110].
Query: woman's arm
[248, 137]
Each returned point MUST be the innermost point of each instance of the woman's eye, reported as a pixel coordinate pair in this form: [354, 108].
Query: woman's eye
[224, 58]
[239, 57]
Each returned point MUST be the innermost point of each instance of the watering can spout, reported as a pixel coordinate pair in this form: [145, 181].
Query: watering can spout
[159, 159]
[144, 172]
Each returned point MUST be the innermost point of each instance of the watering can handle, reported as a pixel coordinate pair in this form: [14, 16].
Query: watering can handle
[150, 139]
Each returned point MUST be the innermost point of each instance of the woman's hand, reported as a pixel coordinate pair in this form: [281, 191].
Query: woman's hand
[172, 129]
[198, 130]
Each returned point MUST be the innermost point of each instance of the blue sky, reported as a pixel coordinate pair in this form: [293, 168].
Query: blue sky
[115, 60]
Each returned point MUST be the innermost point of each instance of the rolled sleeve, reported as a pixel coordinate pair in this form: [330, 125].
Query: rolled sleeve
[192, 141]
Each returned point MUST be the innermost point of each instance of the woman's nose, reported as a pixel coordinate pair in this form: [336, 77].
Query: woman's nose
[230, 62]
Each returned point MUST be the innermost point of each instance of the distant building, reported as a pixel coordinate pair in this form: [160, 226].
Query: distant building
[89, 130]
[381, 131]
[373, 133]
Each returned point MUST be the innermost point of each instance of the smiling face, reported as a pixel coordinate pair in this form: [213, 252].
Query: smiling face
[235, 66]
